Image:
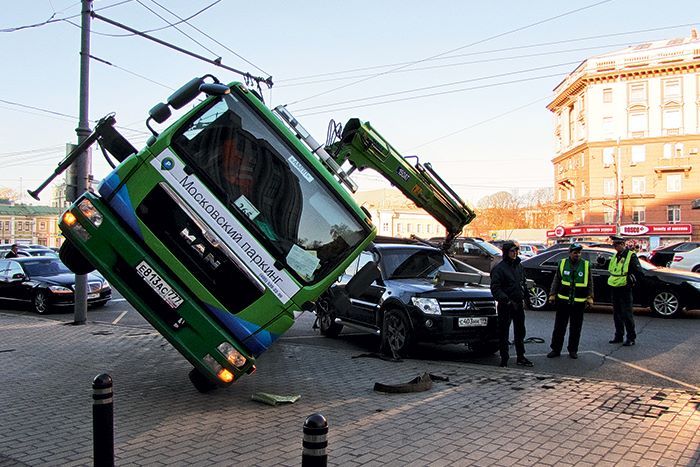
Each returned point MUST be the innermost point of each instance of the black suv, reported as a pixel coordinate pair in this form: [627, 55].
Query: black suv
[409, 293]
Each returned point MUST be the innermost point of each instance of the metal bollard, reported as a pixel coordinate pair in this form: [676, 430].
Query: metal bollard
[102, 421]
[315, 441]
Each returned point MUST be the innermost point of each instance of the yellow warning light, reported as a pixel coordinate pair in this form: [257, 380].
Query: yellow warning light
[69, 219]
[225, 375]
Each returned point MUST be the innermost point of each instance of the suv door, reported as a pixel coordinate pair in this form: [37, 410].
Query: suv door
[365, 303]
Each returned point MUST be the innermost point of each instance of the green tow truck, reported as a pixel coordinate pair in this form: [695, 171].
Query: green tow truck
[231, 219]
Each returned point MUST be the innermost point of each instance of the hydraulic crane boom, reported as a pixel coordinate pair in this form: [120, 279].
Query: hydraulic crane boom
[362, 146]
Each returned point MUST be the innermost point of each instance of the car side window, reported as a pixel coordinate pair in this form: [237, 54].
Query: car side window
[3, 270]
[555, 259]
[599, 261]
[471, 250]
[14, 268]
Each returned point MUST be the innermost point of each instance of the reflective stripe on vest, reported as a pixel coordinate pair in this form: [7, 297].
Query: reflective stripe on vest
[576, 275]
[619, 270]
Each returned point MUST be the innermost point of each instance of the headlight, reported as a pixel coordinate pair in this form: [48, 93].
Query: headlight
[89, 211]
[233, 356]
[58, 289]
[105, 285]
[695, 284]
[429, 306]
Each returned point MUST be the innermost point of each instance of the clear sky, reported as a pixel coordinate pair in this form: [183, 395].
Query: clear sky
[462, 84]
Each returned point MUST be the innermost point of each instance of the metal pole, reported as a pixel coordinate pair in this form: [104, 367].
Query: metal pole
[618, 188]
[102, 421]
[83, 161]
[315, 441]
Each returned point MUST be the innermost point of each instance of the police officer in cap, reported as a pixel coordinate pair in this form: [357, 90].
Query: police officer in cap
[572, 290]
[624, 269]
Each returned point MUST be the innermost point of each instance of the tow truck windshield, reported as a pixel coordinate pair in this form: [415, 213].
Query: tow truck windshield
[274, 191]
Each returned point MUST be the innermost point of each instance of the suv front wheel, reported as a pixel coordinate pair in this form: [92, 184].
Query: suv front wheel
[397, 337]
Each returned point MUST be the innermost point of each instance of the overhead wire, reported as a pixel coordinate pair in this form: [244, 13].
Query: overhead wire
[483, 52]
[495, 36]
[436, 86]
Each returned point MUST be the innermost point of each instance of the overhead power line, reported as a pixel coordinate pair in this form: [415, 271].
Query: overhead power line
[425, 88]
[434, 94]
[495, 36]
[484, 52]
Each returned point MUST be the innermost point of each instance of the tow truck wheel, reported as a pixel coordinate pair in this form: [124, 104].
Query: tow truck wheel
[397, 337]
[326, 319]
[200, 382]
[74, 259]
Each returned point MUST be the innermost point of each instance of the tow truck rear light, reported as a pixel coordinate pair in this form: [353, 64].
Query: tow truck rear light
[233, 356]
[225, 375]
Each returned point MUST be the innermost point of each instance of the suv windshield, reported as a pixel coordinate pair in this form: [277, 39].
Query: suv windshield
[414, 263]
[256, 174]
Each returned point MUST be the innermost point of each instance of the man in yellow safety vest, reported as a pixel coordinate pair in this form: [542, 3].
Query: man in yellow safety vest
[623, 268]
[572, 290]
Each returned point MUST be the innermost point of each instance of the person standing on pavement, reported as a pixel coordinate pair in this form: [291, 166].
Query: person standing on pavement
[509, 289]
[13, 251]
[572, 290]
[623, 268]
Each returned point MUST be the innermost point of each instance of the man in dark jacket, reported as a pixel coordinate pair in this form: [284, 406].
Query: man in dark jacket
[509, 289]
[13, 251]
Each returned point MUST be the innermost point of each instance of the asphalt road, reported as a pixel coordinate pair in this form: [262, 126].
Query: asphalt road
[665, 354]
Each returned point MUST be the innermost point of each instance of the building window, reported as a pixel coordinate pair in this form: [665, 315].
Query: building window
[673, 213]
[571, 124]
[418, 228]
[42, 225]
[668, 150]
[639, 214]
[583, 215]
[673, 183]
[608, 157]
[637, 123]
[639, 185]
[398, 227]
[679, 149]
[639, 154]
[672, 121]
[607, 96]
[385, 227]
[19, 226]
[638, 92]
[608, 215]
[27, 227]
[430, 228]
[672, 89]
[583, 188]
[609, 186]
[7, 225]
[409, 228]
[608, 129]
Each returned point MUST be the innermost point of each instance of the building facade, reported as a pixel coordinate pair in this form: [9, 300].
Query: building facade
[37, 225]
[627, 136]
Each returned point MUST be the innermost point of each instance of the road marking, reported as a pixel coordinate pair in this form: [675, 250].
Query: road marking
[118, 300]
[119, 317]
[645, 370]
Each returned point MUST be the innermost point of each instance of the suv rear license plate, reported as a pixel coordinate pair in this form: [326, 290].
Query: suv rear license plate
[470, 322]
[159, 286]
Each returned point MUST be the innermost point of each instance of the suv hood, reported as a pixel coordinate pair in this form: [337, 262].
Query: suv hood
[65, 279]
[427, 288]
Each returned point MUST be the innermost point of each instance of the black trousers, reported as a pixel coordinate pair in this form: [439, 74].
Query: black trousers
[516, 315]
[622, 312]
[567, 312]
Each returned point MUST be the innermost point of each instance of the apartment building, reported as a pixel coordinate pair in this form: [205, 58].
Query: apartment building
[627, 135]
[30, 225]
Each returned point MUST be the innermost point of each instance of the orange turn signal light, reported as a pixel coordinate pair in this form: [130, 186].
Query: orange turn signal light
[225, 375]
[69, 218]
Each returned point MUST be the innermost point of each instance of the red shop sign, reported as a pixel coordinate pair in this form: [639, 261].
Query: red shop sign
[656, 229]
[581, 230]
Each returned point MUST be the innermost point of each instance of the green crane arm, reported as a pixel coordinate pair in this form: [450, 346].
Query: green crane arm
[363, 147]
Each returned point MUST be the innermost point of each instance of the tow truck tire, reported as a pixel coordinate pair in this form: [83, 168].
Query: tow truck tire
[74, 259]
[397, 335]
[326, 319]
[200, 382]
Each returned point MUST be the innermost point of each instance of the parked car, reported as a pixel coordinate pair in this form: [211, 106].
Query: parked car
[45, 282]
[527, 250]
[408, 294]
[473, 251]
[665, 291]
[28, 250]
[688, 261]
[565, 245]
[664, 255]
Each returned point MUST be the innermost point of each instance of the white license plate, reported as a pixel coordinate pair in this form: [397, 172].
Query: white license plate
[92, 296]
[471, 322]
[162, 288]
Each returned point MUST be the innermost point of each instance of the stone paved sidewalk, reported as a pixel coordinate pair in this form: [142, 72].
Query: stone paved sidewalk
[482, 416]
